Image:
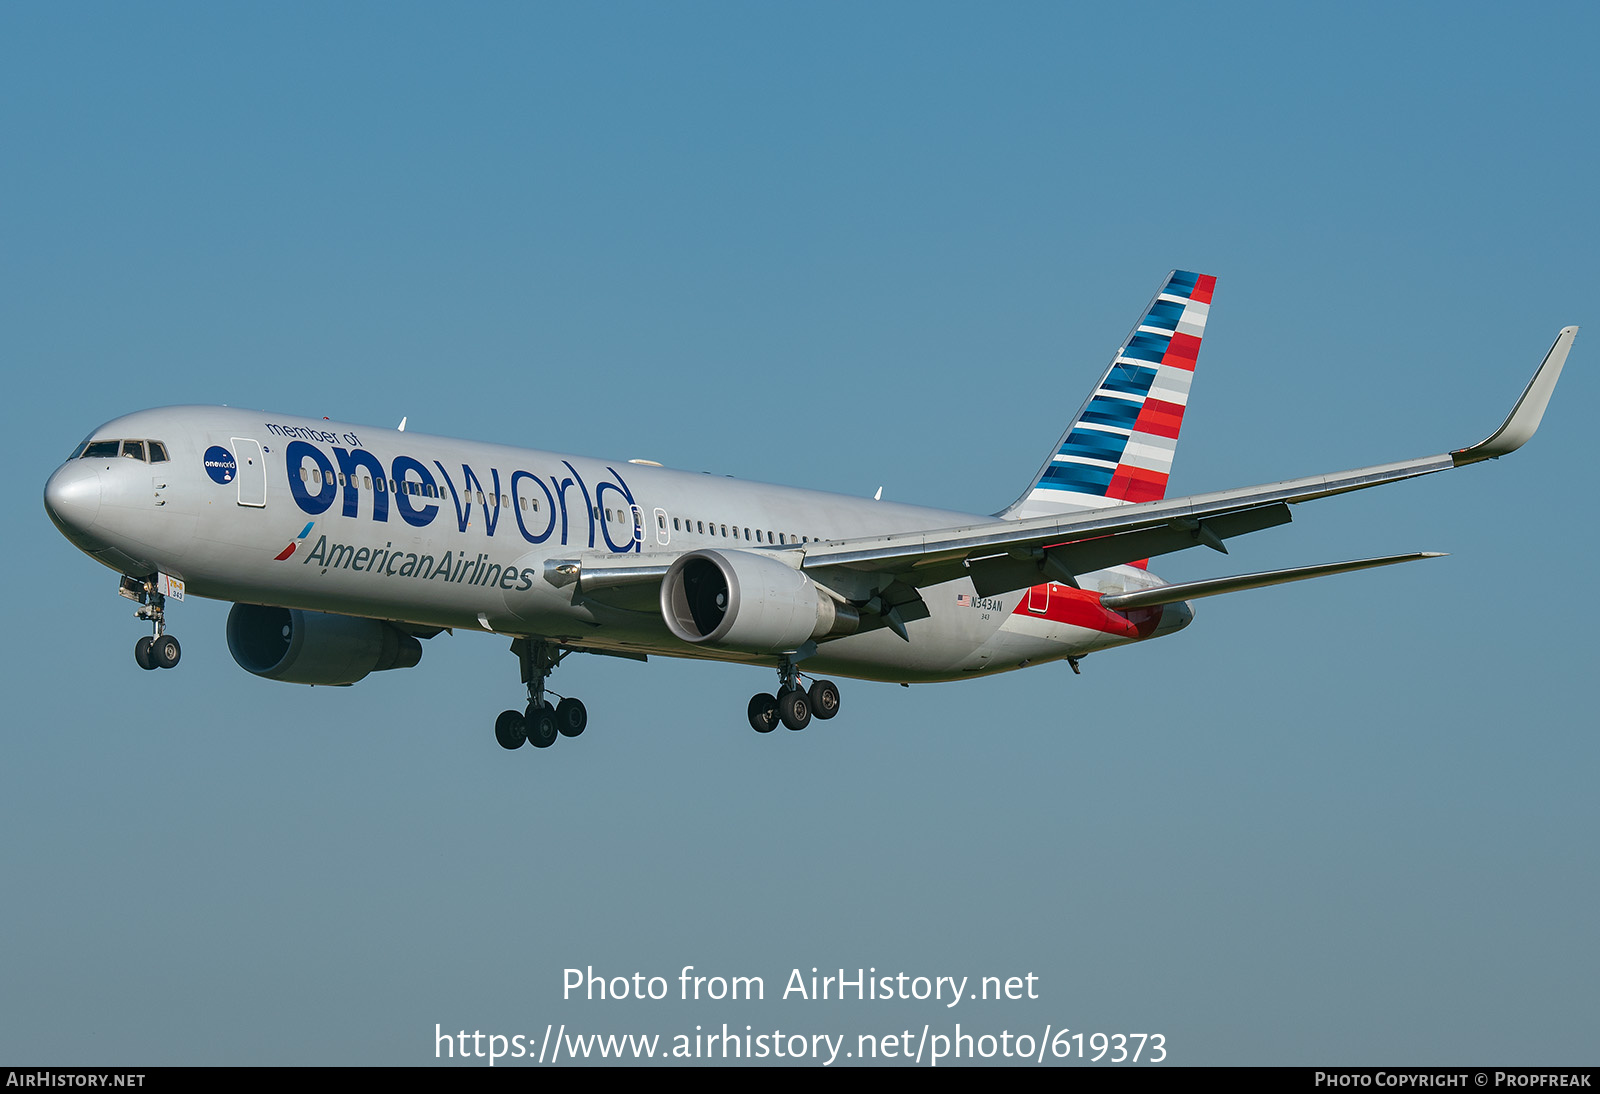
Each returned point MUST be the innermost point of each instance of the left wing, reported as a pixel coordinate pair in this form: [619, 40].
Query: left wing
[1003, 555]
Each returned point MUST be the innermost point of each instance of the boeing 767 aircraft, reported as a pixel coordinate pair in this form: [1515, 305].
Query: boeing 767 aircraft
[345, 546]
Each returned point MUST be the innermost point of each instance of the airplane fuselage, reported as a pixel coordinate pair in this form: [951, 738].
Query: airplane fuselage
[432, 532]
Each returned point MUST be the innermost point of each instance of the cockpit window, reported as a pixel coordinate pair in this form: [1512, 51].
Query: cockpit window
[143, 451]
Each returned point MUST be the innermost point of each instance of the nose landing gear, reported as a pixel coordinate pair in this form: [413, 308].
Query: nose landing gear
[159, 650]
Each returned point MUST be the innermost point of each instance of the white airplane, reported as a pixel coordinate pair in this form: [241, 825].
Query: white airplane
[343, 545]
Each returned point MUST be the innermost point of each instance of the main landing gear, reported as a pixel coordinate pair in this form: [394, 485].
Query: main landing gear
[539, 723]
[158, 650]
[794, 705]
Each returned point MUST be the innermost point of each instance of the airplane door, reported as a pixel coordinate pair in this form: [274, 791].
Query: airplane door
[663, 536]
[252, 472]
[638, 527]
[1039, 599]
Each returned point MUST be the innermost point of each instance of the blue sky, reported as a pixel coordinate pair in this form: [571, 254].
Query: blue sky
[847, 247]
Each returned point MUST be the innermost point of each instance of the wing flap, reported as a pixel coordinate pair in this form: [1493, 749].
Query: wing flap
[1063, 562]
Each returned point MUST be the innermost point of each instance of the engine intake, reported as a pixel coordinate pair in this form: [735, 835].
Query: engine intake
[744, 601]
[301, 647]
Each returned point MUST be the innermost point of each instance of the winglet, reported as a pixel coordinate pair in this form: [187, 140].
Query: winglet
[1525, 416]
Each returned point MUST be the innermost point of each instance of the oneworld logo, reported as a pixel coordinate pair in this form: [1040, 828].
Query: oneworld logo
[556, 506]
[219, 464]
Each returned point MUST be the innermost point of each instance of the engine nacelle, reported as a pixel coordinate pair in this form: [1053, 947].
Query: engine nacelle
[301, 647]
[744, 601]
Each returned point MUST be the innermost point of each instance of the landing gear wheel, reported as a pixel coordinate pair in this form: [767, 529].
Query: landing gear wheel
[541, 724]
[571, 717]
[164, 651]
[794, 709]
[824, 697]
[141, 652]
[510, 729]
[763, 713]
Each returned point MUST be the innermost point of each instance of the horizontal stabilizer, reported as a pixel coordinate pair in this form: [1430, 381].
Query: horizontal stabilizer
[1194, 590]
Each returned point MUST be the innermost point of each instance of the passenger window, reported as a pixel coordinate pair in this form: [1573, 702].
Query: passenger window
[702, 526]
[780, 537]
[158, 452]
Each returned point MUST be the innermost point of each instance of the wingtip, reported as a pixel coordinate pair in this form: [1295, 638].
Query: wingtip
[1524, 419]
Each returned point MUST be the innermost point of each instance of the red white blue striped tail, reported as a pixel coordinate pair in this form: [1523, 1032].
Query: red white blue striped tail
[1120, 446]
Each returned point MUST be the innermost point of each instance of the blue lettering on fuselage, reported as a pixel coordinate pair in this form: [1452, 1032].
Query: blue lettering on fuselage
[418, 516]
[491, 507]
[635, 519]
[314, 486]
[516, 506]
[294, 459]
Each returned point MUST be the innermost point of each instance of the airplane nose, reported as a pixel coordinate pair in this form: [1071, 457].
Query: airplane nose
[72, 497]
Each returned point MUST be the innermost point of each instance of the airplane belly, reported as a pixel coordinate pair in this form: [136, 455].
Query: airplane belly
[944, 646]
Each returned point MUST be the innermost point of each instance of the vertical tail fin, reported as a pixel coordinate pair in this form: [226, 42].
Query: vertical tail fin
[1119, 447]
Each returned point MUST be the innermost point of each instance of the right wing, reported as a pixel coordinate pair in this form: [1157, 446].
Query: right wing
[1004, 555]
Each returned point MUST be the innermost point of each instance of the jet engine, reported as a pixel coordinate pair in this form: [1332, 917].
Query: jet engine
[745, 601]
[301, 647]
